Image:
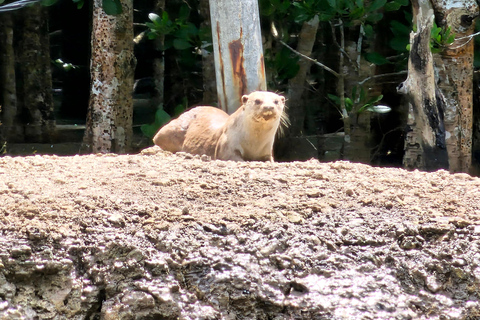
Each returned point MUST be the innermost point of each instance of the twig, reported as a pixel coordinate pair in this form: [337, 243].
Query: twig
[336, 74]
[342, 48]
[275, 35]
[382, 75]
[377, 148]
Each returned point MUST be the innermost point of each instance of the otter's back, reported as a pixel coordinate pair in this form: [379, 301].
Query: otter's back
[195, 131]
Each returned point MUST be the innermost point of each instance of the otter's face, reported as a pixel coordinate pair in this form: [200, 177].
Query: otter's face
[264, 106]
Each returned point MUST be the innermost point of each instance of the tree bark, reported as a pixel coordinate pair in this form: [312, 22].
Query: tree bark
[425, 143]
[296, 85]
[237, 45]
[109, 119]
[454, 66]
[34, 92]
[8, 95]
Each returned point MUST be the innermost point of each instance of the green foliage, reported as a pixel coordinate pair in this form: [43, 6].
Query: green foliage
[283, 62]
[159, 25]
[440, 38]
[270, 8]
[376, 58]
[359, 102]
[401, 36]
[161, 118]
[352, 12]
[112, 7]
[48, 3]
[79, 3]
[179, 34]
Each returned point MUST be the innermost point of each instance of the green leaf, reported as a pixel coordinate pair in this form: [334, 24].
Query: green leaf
[392, 6]
[376, 4]
[149, 130]
[368, 29]
[399, 28]
[161, 117]
[334, 98]
[326, 16]
[362, 94]
[48, 3]
[112, 7]
[374, 17]
[151, 25]
[80, 4]
[332, 3]
[178, 110]
[348, 104]
[354, 93]
[399, 44]
[284, 6]
[152, 35]
[357, 13]
[155, 18]
[376, 58]
[184, 13]
[403, 2]
[375, 99]
[181, 44]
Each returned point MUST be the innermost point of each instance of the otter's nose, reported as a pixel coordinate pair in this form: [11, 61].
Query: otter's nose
[267, 108]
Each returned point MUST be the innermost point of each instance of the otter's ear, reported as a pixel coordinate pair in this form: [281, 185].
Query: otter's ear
[283, 99]
[244, 99]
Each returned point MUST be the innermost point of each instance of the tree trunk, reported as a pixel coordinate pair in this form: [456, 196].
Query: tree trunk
[34, 92]
[159, 63]
[425, 143]
[8, 93]
[208, 61]
[237, 45]
[296, 85]
[109, 119]
[454, 67]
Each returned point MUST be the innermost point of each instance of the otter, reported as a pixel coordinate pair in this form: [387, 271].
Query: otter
[246, 135]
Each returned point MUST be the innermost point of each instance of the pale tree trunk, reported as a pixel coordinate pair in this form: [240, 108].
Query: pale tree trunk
[454, 66]
[237, 45]
[296, 85]
[425, 143]
[34, 93]
[110, 110]
[159, 63]
[8, 94]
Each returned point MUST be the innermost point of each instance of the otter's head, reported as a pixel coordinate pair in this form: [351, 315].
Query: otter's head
[264, 106]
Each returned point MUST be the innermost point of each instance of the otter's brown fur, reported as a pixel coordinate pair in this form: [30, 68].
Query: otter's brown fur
[246, 135]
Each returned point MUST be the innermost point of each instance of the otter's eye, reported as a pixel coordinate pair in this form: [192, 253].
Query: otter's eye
[276, 101]
[258, 101]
